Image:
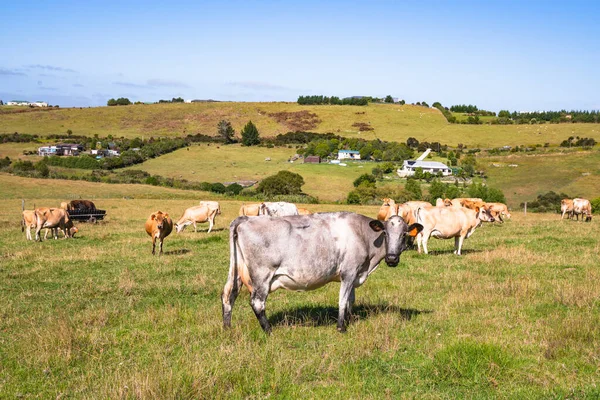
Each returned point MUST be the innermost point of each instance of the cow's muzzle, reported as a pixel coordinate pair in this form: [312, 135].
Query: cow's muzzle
[392, 260]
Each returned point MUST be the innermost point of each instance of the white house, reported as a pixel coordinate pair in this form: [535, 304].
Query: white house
[348, 154]
[17, 103]
[26, 103]
[409, 167]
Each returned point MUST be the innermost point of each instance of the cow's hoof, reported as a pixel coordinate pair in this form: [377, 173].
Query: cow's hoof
[341, 330]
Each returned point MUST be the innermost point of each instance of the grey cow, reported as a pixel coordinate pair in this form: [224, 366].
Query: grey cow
[305, 252]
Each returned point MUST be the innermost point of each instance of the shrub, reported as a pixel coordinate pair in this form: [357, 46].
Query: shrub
[234, 189]
[282, 183]
[547, 202]
[596, 205]
[365, 179]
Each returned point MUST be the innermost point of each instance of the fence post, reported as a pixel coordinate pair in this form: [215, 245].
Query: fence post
[525, 208]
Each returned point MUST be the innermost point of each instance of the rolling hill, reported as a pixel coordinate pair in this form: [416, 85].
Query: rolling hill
[389, 122]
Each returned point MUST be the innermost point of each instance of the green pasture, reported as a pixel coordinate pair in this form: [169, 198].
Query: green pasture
[210, 163]
[97, 316]
[577, 174]
[390, 122]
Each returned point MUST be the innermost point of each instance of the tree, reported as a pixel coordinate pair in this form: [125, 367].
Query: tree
[225, 130]
[111, 102]
[413, 188]
[250, 135]
[389, 99]
[1, 103]
[365, 178]
[69, 132]
[282, 183]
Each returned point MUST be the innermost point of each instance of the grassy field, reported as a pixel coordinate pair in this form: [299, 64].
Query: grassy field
[15, 150]
[577, 174]
[517, 316]
[390, 122]
[233, 163]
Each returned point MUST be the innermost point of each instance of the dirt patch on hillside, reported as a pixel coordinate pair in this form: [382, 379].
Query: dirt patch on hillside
[363, 126]
[298, 120]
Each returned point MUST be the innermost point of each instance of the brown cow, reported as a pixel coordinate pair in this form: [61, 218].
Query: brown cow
[82, 205]
[69, 227]
[51, 218]
[28, 221]
[498, 210]
[387, 209]
[196, 214]
[460, 201]
[250, 210]
[303, 211]
[582, 207]
[449, 222]
[158, 226]
[566, 207]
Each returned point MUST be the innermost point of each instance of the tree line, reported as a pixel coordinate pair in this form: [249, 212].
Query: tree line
[333, 100]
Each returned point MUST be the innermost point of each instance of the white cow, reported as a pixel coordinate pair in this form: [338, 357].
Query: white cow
[278, 209]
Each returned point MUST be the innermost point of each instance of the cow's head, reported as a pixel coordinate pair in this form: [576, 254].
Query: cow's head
[396, 232]
[159, 217]
[484, 213]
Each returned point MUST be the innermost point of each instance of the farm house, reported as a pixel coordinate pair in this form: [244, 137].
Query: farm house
[409, 167]
[348, 155]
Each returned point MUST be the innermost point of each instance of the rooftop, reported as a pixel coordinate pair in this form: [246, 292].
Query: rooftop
[425, 164]
[348, 151]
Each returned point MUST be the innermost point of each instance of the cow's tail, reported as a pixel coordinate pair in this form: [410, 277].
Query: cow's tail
[232, 287]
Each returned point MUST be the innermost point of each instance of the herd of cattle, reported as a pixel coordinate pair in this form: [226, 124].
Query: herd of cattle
[291, 248]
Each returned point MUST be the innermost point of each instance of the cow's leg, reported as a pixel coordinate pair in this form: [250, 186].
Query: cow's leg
[258, 298]
[153, 244]
[28, 233]
[230, 293]
[346, 288]
[461, 239]
[160, 245]
[456, 240]
[350, 303]
[38, 229]
[46, 234]
[425, 241]
[210, 224]
[195, 228]
[419, 240]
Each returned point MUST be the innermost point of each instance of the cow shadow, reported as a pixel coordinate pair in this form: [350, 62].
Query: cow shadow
[176, 252]
[451, 251]
[213, 230]
[327, 315]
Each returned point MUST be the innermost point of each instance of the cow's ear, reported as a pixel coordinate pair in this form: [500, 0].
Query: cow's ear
[414, 229]
[153, 216]
[477, 209]
[166, 215]
[376, 225]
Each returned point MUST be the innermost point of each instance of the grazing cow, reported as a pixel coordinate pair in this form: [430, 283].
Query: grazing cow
[303, 211]
[566, 207]
[278, 209]
[51, 218]
[197, 214]
[582, 207]
[250, 210]
[498, 210]
[69, 227]
[387, 209]
[306, 252]
[449, 222]
[213, 205]
[65, 206]
[28, 221]
[82, 205]
[158, 226]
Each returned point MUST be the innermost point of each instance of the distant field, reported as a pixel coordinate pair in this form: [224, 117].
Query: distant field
[517, 316]
[390, 122]
[233, 163]
[15, 150]
[576, 174]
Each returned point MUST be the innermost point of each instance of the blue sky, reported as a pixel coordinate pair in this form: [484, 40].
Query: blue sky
[517, 55]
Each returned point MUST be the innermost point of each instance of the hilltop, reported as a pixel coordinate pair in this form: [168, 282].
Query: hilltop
[390, 122]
